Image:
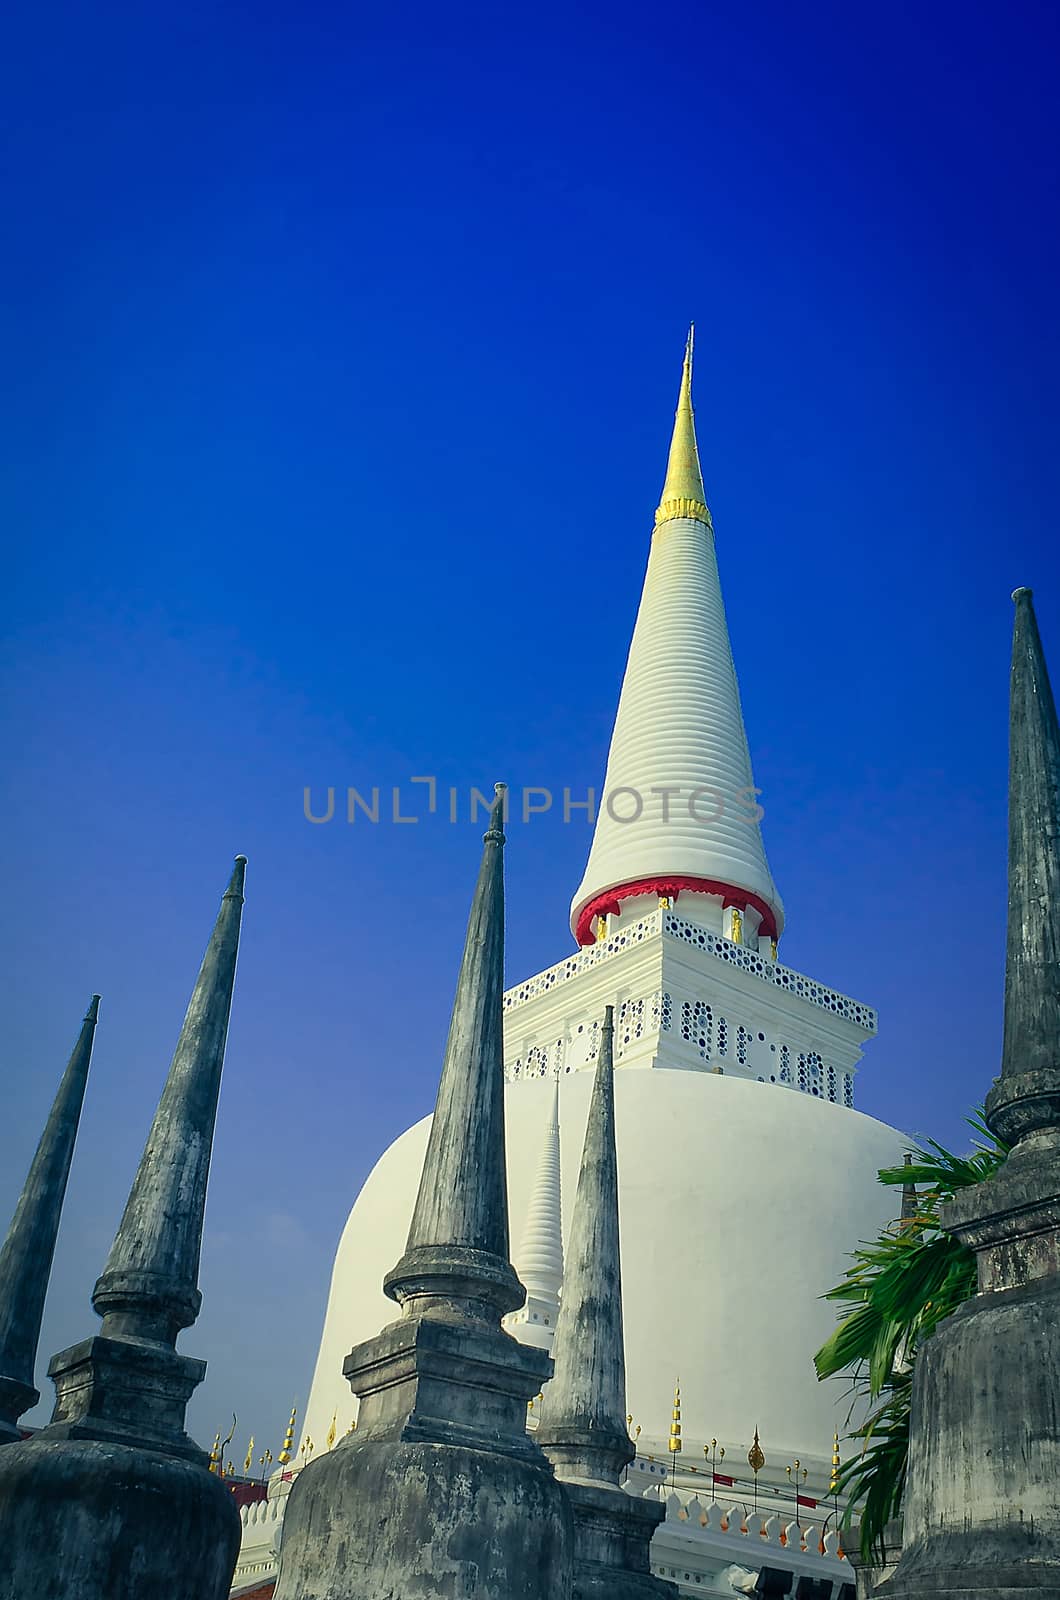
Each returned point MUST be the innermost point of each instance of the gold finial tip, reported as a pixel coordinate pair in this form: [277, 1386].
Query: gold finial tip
[683, 494]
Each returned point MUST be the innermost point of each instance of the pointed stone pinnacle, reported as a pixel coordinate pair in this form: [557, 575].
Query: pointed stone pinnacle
[1026, 1097]
[149, 1287]
[583, 1426]
[27, 1252]
[457, 1257]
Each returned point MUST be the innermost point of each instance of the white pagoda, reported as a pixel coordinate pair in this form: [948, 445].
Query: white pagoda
[746, 1175]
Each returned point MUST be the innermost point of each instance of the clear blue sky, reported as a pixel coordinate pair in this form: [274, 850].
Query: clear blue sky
[340, 351]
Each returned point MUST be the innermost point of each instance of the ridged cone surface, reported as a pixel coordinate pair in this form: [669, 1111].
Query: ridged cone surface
[539, 1262]
[679, 726]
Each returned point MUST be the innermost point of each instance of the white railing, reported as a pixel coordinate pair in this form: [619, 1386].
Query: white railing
[677, 927]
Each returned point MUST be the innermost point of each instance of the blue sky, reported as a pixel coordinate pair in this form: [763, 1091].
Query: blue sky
[341, 349]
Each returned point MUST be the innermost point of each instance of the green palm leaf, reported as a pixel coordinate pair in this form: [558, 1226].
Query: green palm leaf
[899, 1286]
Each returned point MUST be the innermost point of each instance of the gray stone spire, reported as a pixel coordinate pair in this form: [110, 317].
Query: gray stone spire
[980, 1512]
[441, 1493]
[112, 1498]
[583, 1421]
[149, 1287]
[26, 1256]
[457, 1251]
[1032, 969]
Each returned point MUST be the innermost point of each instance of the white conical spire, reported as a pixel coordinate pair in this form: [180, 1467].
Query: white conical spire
[678, 811]
[539, 1262]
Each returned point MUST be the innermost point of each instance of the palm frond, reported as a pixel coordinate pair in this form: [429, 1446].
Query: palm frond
[896, 1290]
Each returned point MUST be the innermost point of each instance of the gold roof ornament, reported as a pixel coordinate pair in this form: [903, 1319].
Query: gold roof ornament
[755, 1457]
[249, 1462]
[833, 1484]
[332, 1430]
[215, 1454]
[226, 1469]
[675, 1425]
[683, 492]
[288, 1441]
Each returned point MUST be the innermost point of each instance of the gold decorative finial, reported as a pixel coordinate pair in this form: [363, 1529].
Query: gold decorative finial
[215, 1455]
[333, 1430]
[226, 1470]
[675, 1425]
[288, 1441]
[249, 1461]
[755, 1457]
[683, 493]
[833, 1486]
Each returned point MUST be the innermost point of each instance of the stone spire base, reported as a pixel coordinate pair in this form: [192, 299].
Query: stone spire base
[83, 1520]
[126, 1392]
[440, 1493]
[612, 1534]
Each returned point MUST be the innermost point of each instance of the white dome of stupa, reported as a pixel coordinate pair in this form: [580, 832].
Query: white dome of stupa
[738, 1204]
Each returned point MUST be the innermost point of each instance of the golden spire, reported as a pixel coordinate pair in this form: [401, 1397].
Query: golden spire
[288, 1443]
[215, 1456]
[675, 1425]
[683, 493]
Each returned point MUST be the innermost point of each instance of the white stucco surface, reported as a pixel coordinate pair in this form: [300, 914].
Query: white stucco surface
[739, 1203]
[679, 728]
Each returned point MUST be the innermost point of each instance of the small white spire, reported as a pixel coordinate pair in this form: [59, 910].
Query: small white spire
[539, 1262]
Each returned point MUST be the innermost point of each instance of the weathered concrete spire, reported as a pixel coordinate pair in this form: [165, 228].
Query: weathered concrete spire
[113, 1498]
[583, 1425]
[980, 1511]
[458, 1241]
[26, 1256]
[583, 1428]
[1032, 972]
[149, 1287]
[441, 1492]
